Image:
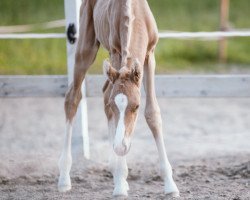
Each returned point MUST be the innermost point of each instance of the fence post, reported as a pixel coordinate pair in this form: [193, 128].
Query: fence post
[224, 12]
[80, 136]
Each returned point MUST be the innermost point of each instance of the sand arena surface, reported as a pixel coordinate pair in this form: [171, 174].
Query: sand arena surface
[207, 142]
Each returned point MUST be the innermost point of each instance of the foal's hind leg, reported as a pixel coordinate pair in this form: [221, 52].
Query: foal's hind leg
[153, 118]
[87, 48]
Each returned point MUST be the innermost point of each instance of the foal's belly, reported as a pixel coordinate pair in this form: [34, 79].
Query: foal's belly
[101, 24]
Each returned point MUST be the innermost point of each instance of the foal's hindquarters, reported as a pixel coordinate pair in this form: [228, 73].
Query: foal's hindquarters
[127, 29]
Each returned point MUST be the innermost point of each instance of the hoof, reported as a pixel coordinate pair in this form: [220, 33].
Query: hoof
[126, 186]
[64, 188]
[173, 194]
[171, 189]
[121, 190]
[64, 184]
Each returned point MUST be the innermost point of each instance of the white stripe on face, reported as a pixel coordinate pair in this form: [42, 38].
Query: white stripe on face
[121, 102]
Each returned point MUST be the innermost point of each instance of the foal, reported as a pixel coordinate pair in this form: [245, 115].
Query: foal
[127, 29]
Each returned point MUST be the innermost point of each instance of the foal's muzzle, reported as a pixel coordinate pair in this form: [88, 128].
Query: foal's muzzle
[123, 148]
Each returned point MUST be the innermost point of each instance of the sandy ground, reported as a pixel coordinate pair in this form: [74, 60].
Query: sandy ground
[208, 143]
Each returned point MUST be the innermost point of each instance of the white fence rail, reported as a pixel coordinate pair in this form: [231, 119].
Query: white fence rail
[217, 34]
[32, 35]
[166, 86]
[31, 27]
[173, 35]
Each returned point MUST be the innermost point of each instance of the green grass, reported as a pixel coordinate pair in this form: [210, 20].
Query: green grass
[14, 12]
[172, 56]
[33, 57]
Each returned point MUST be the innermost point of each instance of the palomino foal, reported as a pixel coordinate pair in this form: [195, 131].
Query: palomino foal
[127, 29]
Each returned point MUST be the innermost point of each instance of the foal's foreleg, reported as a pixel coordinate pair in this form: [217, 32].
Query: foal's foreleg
[120, 174]
[65, 162]
[87, 48]
[72, 100]
[153, 118]
[118, 166]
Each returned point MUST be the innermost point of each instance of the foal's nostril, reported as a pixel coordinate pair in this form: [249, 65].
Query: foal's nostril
[123, 148]
[127, 148]
[126, 145]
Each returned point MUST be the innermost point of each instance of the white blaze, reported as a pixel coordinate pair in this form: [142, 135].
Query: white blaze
[121, 102]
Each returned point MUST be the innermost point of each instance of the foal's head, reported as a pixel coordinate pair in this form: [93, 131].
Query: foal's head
[123, 103]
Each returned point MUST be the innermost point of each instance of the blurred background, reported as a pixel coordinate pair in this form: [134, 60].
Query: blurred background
[48, 56]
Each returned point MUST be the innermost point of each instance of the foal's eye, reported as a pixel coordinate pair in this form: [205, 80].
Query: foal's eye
[135, 108]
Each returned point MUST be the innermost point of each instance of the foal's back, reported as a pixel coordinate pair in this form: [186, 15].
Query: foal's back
[126, 27]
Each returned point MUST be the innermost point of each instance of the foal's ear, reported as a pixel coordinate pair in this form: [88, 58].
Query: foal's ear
[136, 72]
[111, 73]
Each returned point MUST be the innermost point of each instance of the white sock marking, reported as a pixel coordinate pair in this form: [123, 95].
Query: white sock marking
[166, 169]
[65, 161]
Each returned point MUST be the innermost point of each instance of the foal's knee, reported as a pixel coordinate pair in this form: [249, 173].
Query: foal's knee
[153, 117]
[72, 99]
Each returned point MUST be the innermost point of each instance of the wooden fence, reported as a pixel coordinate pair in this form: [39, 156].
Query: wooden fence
[166, 85]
